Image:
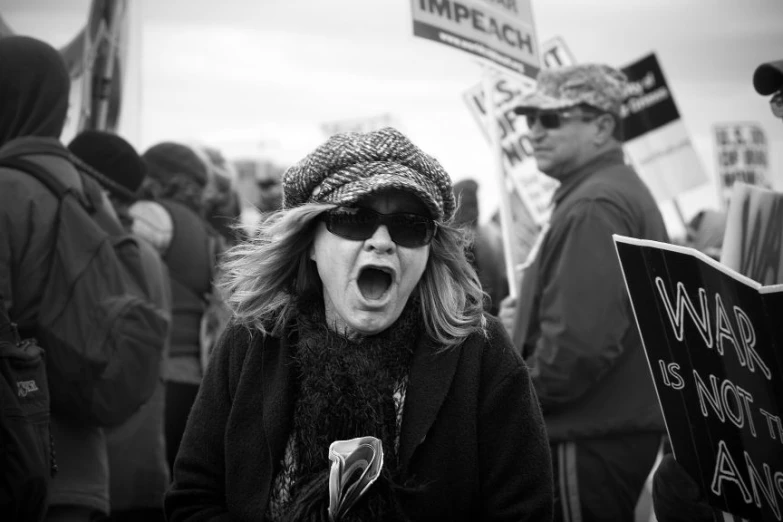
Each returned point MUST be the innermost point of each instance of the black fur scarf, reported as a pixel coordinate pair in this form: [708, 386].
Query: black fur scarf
[346, 390]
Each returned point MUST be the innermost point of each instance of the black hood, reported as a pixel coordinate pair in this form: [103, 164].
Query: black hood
[34, 88]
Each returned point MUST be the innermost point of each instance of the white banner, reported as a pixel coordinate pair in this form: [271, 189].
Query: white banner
[741, 154]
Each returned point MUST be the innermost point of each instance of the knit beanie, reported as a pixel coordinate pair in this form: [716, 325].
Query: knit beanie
[111, 156]
[168, 159]
[351, 166]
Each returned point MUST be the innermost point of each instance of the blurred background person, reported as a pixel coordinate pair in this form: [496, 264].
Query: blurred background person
[260, 181]
[485, 251]
[138, 470]
[223, 206]
[768, 80]
[171, 216]
[705, 232]
[34, 90]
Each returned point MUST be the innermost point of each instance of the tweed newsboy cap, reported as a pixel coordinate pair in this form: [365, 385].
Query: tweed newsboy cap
[597, 85]
[350, 166]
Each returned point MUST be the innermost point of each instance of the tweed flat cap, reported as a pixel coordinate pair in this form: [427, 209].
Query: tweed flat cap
[597, 85]
[350, 166]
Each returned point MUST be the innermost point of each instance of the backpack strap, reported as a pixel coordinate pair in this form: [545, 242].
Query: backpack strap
[7, 328]
[90, 201]
[54, 185]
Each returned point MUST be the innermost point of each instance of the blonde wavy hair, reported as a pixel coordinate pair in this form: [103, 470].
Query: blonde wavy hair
[263, 277]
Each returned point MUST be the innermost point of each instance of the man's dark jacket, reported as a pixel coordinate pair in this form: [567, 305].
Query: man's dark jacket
[575, 325]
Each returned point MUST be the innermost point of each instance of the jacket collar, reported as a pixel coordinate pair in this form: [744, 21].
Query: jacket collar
[277, 384]
[429, 380]
[606, 159]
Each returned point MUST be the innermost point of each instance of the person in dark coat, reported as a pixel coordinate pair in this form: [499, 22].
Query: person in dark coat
[356, 314]
[34, 89]
[171, 216]
[138, 470]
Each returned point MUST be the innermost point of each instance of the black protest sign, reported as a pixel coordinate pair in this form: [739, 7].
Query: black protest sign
[649, 104]
[713, 340]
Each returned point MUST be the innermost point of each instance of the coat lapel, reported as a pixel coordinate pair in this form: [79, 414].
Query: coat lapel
[429, 381]
[277, 385]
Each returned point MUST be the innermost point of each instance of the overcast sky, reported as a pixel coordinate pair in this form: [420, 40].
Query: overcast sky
[261, 76]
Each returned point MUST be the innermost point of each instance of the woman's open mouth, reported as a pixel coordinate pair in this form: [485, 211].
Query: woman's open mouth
[374, 282]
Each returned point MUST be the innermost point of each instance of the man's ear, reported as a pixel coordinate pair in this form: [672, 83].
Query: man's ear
[606, 125]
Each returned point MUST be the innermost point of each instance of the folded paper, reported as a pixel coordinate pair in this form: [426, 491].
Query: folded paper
[356, 465]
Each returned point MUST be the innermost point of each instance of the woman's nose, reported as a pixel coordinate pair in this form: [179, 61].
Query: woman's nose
[380, 240]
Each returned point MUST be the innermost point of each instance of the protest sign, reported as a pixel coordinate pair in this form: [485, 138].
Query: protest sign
[656, 140]
[500, 31]
[555, 53]
[753, 241]
[359, 124]
[741, 154]
[713, 341]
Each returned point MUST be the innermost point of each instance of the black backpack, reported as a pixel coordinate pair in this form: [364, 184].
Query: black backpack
[26, 448]
[103, 336]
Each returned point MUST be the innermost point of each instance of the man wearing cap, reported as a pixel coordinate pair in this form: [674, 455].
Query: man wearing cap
[573, 321]
[768, 79]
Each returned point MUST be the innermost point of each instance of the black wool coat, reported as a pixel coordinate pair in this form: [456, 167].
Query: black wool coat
[472, 430]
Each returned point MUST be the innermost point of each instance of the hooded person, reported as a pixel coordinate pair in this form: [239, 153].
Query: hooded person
[357, 318]
[138, 470]
[171, 215]
[34, 87]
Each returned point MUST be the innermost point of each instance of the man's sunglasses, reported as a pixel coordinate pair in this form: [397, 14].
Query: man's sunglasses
[554, 120]
[358, 224]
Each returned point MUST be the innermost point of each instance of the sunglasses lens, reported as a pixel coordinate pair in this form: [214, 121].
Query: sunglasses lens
[352, 223]
[549, 120]
[410, 230]
[359, 224]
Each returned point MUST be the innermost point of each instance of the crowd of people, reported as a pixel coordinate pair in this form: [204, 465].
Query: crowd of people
[367, 302]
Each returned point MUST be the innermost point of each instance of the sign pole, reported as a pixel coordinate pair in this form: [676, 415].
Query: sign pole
[497, 166]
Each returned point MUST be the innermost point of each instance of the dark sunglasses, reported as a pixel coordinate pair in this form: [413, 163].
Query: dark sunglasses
[554, 120]
[358, 224]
